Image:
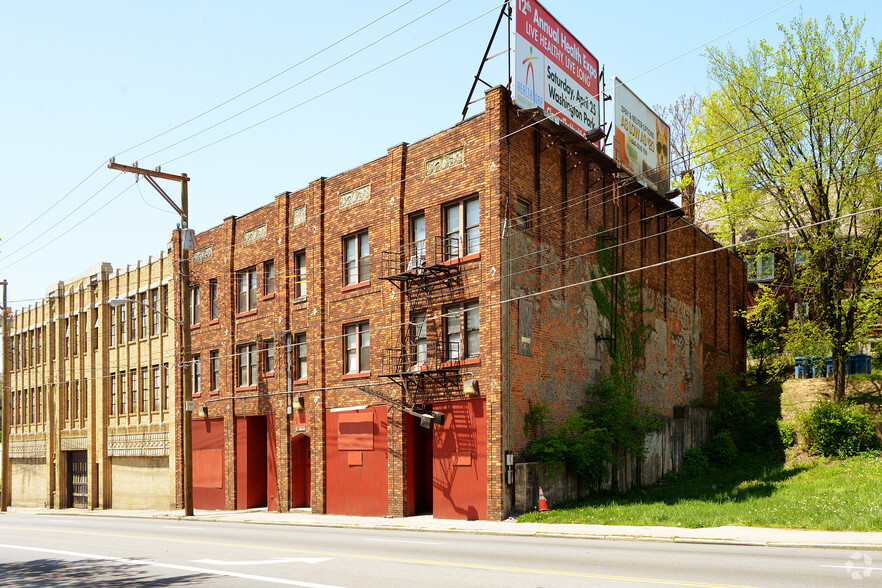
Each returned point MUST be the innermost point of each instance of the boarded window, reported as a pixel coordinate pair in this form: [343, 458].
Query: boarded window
[356, 431]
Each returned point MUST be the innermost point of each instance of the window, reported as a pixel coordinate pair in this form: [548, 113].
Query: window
[300, 365]
[418, 338]
[357, 345]
[197, 374]
[269, 278]
[246, 281]
[300, 274]
[522, 214]
[462, 231]
[133, 322]
[144, 316]
[214, 294]
[165, 308]
[133, 390]
[94, 322]
[247, 364]
[38, 409]
[157, 388]
[154, 304]
[122, 323]
[760, 268]
[356, 259]
[38, 346]
[418, 241]
[269, 356]
[164, 386]
[74, 328]
[145, 389]
[113, 394]
[123, 393]
[214, 361]
[65, 323]
[195, 316]
[459, 320]
[75, 400]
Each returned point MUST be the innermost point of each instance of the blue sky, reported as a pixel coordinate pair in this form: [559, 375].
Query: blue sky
[89, 80]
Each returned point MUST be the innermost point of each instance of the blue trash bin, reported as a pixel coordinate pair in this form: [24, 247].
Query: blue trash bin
[828, 363]
[799, 367]
[862, 363]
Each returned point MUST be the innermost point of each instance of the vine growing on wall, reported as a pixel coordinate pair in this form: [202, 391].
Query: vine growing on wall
[593, 440]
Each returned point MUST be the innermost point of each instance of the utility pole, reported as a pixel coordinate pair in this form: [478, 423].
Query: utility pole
[4, 458]
[186, 368]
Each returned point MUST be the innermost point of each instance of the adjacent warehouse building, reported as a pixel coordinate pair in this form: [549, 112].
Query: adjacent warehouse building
[93, 392]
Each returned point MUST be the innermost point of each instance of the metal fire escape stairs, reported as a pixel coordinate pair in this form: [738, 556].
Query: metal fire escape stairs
[423, 369]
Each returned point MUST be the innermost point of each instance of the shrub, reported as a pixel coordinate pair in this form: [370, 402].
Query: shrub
[836, 429]
[694, 463]
[787, 432]
[721, 450]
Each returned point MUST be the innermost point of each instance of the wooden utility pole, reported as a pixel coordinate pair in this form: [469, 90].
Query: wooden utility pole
[186, 358]
[4, 458]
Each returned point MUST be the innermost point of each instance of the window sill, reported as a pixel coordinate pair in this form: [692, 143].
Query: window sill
[214, 321]
[355, 286]
[195, 325]
[268, 296]
[196, 394]
[214, 392]
[466, 361]
[299, 300]
[359, 375]
[269, 374]
[246, 313]
[298, 382]
[245, 388]
[458, 260]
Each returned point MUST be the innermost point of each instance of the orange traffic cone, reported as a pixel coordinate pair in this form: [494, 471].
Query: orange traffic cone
[543, 506]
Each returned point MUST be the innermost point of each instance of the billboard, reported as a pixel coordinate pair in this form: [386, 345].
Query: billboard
[553, 71]
[641, 141]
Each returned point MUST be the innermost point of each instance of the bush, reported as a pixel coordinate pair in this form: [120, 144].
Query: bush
[836, 429]
[787, 432]
[694, 463]
[721, 450]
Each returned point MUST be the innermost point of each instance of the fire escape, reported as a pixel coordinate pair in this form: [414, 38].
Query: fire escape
[424, 369]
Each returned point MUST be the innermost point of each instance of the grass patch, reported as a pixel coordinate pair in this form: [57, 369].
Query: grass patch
[822, 494]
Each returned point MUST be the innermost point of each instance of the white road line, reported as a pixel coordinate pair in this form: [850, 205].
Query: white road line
[171, 566]
[261, 562]
[404, 541]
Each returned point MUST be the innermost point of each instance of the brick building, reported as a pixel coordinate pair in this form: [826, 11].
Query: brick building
[93, 392]
[369, 344]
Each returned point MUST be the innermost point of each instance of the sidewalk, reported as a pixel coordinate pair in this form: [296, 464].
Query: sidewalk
[758, 536]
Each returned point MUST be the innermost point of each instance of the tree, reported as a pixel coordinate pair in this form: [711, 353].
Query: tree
[792, 133]
[766, 321]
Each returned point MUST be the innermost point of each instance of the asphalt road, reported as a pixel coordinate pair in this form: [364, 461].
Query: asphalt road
[65, 550]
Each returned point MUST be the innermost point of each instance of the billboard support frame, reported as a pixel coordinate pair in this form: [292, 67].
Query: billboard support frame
[506, 6]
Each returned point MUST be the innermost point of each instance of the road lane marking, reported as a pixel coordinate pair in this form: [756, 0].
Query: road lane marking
[472, 566]
[406, 541]
[156, 564]
[261, 562]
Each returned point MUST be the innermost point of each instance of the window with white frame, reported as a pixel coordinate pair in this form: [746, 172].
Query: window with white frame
[214, 360]
[300, 274]
[269, 278]
[246, 281]
[462, 333]
[268, 360]
[462, 229]
[197, 373]
[356, 259]
[195, 315]
[760, 268]
[157, 388]
[214, 294]
[418, 241]
[357, 348]
[300, 364]
[247, 356]
[419, 352]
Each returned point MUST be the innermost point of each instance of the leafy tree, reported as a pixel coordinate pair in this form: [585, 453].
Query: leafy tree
[792, 136]
[766, 321]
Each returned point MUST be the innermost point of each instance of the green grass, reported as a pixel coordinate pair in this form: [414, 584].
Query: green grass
[829, 495]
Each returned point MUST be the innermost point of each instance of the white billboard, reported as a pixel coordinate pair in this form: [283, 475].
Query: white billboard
[553, 71]
[641, 141]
